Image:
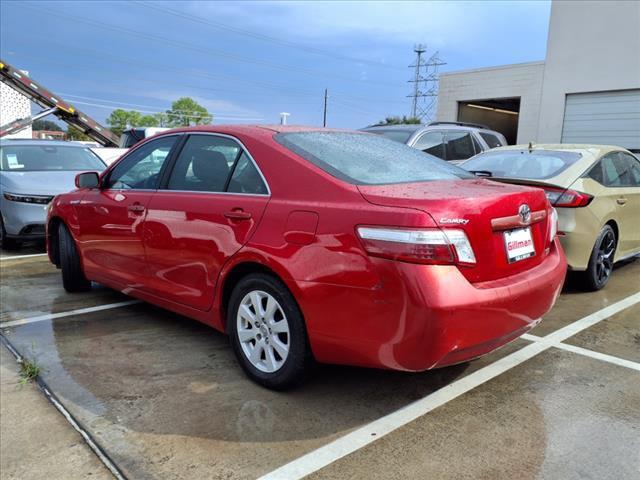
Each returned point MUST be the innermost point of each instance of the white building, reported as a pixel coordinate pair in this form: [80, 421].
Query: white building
[587, 90]
[14, 106]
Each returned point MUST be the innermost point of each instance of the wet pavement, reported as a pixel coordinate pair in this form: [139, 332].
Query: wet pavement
[164, 397]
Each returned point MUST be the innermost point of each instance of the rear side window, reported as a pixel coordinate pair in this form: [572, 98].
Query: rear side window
[210, 163]
[492, 140]
[368, 159]
[459, 145]
[537, 164]
[617, 169]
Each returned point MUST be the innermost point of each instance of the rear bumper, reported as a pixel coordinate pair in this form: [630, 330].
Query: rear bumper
[428, 316]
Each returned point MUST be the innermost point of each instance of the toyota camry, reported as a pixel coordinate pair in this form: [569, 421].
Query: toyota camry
[311, 245]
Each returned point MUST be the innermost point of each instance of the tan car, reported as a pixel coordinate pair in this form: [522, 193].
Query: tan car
[595, 190]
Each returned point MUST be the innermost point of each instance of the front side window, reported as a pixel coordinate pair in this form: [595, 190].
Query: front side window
[535, 164]
[48, 158]
[459, 146]
[363, 159]
[140, 169]
[431, 143]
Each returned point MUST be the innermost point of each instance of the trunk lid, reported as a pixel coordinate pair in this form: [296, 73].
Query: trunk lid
[484, 210]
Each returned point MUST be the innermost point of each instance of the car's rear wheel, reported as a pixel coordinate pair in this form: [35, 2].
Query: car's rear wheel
[73, 278]
[268, 333]
[7, 243]
[600, 264]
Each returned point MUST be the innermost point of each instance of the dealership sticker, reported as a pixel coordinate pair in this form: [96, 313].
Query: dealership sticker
[519, 244]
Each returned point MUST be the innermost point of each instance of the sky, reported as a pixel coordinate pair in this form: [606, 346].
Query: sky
[247, 61]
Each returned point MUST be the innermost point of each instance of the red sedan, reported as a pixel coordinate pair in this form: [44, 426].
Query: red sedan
[312, 244]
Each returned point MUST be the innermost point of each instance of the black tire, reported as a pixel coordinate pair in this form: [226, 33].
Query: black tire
[73, 278]
[600, 264]
[299, 360]
[7, 243]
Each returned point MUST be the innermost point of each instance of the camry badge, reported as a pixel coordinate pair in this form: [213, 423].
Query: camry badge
[525, 213]
[456, 221]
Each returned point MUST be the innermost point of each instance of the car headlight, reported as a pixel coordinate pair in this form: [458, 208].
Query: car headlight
[37, 199]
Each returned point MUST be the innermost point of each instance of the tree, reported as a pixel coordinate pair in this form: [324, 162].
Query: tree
[186, 111]
[397, 120]
[120, 120]
[162, 119]
[148, 121]
[46, 125]
[73, 133]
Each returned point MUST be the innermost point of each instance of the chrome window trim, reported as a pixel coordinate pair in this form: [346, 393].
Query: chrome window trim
[245, 150]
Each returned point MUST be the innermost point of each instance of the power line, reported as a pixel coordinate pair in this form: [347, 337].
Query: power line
[198, 73]
[197, 48]
[260, 36]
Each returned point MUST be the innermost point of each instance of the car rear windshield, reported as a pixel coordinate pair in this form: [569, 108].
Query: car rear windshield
[537, 164]
[395, 134]
[364, 159]
[35, 158]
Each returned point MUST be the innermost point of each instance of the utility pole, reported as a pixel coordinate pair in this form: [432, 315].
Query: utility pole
[326, 97]
[425, 83]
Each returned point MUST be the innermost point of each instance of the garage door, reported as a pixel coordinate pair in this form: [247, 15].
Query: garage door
[608, 118]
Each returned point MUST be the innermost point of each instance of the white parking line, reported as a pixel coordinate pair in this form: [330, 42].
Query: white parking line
[371, 432]
[79, 311]
[589, 353]
[16, 257]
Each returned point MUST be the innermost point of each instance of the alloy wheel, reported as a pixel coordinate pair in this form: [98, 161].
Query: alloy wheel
[604, 260]
[263, 331]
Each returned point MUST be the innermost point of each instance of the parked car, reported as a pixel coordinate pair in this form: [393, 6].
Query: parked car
[310, 244]
[134, 135]
[31, 173]
[596, 191]
[452, 141]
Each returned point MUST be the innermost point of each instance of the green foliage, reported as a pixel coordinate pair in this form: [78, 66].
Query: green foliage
[120, 120]
[29, 370]
[148, 121]
[186, 111]
[46, 125]
[397, 120]
[74, 134]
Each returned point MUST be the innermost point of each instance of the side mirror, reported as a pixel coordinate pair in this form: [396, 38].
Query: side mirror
[87, 180]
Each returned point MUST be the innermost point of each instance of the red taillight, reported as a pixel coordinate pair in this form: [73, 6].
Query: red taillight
[559, 197]
[427, 245]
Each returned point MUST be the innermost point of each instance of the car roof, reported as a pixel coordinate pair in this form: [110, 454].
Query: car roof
[590, 149]
[414, 127]
[34, 141]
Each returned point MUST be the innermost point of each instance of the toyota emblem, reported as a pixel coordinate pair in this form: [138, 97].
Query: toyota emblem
[525, 213]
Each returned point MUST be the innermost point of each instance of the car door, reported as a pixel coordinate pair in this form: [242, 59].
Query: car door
[205, 211]
[627, 199]
[111, 217]
[431, 142]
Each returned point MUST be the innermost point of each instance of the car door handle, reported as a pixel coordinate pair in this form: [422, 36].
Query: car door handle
[238, 214]
[136, 208]
[621, 201]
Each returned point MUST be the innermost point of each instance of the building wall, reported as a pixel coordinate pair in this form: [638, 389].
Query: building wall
[592, 47]
[13, 106]
[520, 80]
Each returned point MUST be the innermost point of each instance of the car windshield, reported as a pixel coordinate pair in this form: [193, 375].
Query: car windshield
[535, 164]
[395, 134]
[36, 158]
[364, 159]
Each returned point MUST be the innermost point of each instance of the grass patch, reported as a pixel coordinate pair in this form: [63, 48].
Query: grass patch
[29, 370]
